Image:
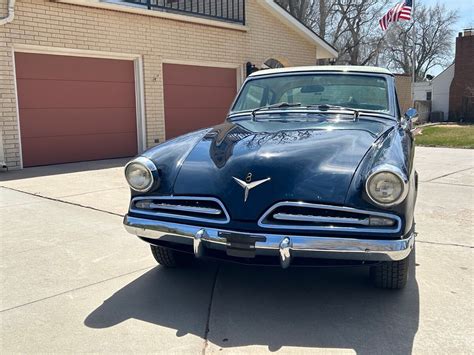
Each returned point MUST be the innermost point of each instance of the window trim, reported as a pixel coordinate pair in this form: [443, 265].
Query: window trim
[391, 113]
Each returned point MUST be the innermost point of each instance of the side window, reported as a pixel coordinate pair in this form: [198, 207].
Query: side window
[428, 96]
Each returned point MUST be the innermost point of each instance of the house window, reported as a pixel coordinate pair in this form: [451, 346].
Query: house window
[428, 96]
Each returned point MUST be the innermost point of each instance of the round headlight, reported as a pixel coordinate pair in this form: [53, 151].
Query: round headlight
[139, 174]
[387, 186]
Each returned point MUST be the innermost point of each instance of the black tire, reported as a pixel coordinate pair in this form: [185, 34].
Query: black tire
[171, 258]
[391, 274]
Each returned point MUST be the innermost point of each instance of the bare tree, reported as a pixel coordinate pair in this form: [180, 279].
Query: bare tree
[433, 41]
[303, 10]
[355, 31]
[352, 27]
[325, 10]
[347, 24]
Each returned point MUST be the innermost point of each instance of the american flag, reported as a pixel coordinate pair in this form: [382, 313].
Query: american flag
[401, 11]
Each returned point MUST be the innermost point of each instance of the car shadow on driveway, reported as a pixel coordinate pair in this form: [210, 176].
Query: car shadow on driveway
[331, 308]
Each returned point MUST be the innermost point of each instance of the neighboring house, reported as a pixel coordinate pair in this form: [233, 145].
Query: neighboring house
[441, 85]
[461, 97]
[90, 79]
[452, 91]
[403, 84]
[422, 91]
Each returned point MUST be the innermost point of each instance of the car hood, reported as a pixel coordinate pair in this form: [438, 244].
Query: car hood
[304, 161]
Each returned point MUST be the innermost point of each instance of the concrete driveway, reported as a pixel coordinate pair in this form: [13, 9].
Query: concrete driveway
[72, 280]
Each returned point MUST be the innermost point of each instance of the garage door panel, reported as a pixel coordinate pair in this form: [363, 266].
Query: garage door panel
[196, 97]
[199, 76]
[58, 67]
[65, 149]
[189, 96]
[74, 94]
[75, 108]
[201, 118]
[63, 121]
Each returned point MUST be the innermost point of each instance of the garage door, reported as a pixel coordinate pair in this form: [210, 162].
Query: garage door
[75, 108]
[196, 97]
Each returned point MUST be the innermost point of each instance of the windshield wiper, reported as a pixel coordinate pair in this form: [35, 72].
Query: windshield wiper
[326, 107]
[274, 106]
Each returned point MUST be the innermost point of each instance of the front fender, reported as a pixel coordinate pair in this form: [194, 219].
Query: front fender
[394, 147]
[168, 158]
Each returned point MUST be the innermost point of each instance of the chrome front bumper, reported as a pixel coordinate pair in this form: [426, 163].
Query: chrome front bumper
[284, 246]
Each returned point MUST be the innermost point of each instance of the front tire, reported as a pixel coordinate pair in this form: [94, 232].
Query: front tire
[171, 258]
[391, 274]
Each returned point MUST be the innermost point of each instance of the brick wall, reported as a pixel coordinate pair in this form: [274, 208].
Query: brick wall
[3, 8]
[403, 84]
[461, 94]
[50, 24]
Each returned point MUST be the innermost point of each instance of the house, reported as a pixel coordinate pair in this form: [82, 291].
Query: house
[440, 97]
[435, 94]
[403, 84]
[461, 96]
[451, 93]
[91, 79]
[422, 91]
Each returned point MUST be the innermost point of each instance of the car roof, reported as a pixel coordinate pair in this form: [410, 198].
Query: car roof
[323, 68]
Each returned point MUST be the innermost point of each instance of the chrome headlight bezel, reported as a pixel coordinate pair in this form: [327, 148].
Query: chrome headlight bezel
[395, 171]
[149, 166]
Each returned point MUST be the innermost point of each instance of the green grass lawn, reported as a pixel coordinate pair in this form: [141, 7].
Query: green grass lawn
[447, 136]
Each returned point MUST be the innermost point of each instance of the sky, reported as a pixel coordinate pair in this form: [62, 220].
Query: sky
[466, 18]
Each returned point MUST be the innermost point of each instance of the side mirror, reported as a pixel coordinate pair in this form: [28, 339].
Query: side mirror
[411, 115]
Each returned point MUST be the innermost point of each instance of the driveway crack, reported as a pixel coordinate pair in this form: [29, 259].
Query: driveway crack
[209, 311]
[62, 201]
[446, 244]
[448, 174]
[75, 289]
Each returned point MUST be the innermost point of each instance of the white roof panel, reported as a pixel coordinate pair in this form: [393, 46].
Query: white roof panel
[324, 68]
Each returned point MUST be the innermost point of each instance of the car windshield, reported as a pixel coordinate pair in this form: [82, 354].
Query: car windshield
[362, 92]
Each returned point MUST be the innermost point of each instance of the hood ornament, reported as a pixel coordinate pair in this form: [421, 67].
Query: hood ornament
[248, 185]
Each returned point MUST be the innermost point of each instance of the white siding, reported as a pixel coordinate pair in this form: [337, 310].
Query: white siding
[441, 85]
[420, 89]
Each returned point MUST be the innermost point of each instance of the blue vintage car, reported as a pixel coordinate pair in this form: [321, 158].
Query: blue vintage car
[313, 166]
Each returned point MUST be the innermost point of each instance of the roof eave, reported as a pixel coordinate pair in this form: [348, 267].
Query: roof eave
[325, 50]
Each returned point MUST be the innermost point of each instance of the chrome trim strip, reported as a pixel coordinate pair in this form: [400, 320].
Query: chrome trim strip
[225, 220]
[321, 247]
[320, 219]
[396, 229]
[182, 208]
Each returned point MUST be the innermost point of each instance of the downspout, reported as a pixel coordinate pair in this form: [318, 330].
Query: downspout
[10, 13]
[3, 165]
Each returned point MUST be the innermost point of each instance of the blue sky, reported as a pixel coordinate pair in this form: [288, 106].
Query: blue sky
[465, 10]
[466, 17]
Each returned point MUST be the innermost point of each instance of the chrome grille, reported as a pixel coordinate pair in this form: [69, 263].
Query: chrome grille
[315, 217]
[200, 209]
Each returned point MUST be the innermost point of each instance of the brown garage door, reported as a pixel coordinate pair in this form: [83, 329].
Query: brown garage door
[75, 108]
[196, 97]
